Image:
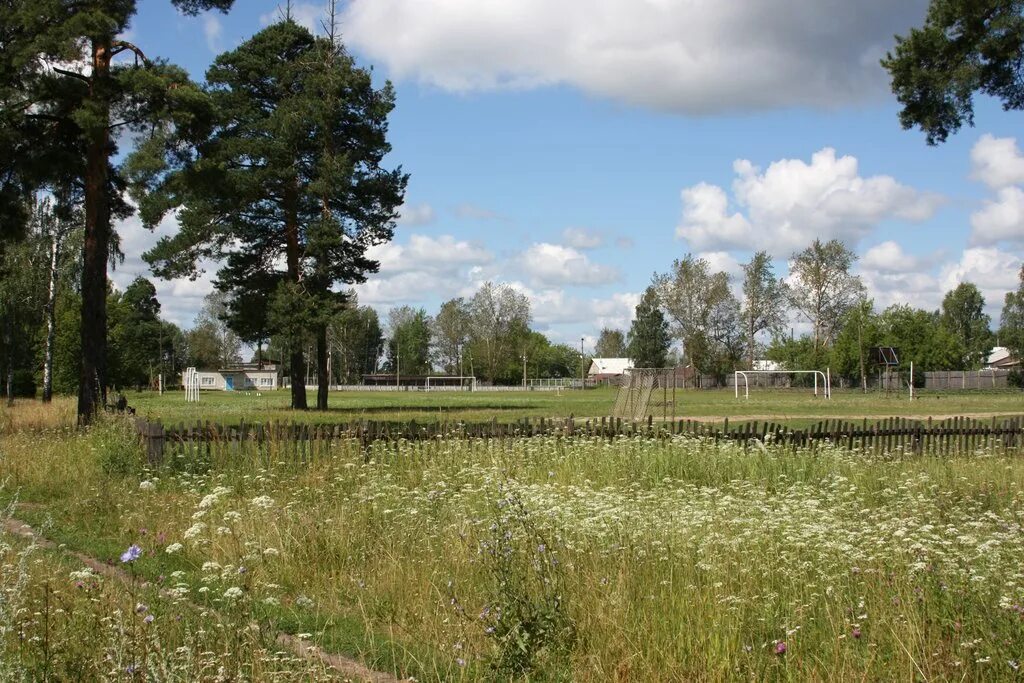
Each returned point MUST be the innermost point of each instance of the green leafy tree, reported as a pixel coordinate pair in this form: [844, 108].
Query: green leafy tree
[648, 339]
[408, 341]
[451, 332]
[704, 313]
[860, 331]
[1011, 331]
[358, 342]
[22, 297]
[610, 344]
[920, 339]
[764, 302]
[965, 47]
[135, 352]
[823, 288]
[69, 91]
[963, 316]
[499, 323]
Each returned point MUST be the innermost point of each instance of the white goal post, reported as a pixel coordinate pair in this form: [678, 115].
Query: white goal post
[442, 382]
[191, 385]
[826, 379]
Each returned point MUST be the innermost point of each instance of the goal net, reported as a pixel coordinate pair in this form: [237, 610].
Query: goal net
[817, 381]
[647, 392]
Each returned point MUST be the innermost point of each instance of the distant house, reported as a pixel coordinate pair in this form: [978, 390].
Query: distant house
[608, 368]
[243, 377]
[767, 366]
[1002, 359]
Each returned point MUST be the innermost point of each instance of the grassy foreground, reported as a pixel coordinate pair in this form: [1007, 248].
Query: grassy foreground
[554, 559]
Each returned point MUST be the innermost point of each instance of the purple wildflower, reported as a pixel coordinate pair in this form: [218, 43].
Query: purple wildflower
[856, 632]
[133, 553]
[780, 648]
[148, 619]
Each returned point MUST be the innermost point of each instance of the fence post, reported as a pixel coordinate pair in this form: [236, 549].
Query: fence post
[153, 439]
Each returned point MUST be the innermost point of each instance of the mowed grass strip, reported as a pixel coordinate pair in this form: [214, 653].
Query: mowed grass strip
[794, 407]
[574, 559]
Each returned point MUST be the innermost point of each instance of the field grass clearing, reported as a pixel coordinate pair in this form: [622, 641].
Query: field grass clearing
[795, 407]
[573, 559]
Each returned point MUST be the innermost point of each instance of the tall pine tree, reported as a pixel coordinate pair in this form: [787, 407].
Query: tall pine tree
[289, 189]
[61, 116]
[648, 338]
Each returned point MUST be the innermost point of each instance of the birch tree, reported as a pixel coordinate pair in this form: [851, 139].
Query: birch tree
[764, 301]
[823, 289]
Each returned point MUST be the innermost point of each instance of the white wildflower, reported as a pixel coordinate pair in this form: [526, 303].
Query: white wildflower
[265, 502]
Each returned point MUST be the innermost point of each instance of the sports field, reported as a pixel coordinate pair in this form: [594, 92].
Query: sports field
[791, 406]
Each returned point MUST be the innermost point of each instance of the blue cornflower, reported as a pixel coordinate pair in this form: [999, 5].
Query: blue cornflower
[133, 553]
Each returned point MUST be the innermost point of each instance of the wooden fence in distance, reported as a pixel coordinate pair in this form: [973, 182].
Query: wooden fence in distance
[923, 437]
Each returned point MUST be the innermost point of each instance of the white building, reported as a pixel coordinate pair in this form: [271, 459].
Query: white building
[246, 377]
[608, 368]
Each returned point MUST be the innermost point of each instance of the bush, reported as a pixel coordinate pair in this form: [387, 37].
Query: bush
[118, 447]
[24, 384]
[1016, 378]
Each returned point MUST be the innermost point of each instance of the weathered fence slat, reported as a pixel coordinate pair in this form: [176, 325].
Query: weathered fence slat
[305, 442]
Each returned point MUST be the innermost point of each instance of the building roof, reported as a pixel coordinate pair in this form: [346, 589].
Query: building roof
[1001, 357]
[609, 366]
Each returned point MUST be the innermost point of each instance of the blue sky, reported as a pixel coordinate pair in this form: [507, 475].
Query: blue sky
[573, 149]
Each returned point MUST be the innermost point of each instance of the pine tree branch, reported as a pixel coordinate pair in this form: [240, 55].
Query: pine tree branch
[72, 74]
[119, 46]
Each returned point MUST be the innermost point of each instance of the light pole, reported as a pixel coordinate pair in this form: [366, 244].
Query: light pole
[582, 366]
[524, 370]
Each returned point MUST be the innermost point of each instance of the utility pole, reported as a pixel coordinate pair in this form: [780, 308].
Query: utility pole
[583, 368]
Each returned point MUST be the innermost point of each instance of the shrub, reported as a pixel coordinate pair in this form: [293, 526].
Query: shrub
[118, 447]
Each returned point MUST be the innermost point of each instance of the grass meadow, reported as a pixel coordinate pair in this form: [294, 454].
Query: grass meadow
[795, 406]
[544, 559]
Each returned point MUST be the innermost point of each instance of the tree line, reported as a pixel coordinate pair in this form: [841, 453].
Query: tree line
[274, 168]
[691, 316]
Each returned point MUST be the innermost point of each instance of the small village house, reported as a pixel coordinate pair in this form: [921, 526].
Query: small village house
[242, 377]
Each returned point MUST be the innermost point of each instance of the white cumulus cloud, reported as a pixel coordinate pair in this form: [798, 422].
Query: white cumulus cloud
[793, 202]
[421, 268]
[997, 162]
[993, 270]
[554, 264]
[999, 220]
[691, 56]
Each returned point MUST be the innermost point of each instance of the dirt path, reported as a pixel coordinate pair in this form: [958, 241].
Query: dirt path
[348, 669]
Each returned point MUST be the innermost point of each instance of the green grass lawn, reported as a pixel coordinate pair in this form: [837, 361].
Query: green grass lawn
[794, 406]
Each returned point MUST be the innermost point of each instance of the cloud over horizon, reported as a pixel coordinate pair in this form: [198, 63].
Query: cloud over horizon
[698, 57]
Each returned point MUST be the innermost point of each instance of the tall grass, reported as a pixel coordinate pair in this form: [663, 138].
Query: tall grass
[28, 414]
[575, 559]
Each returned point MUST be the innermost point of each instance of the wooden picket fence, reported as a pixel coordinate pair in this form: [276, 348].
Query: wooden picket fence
[923, 437]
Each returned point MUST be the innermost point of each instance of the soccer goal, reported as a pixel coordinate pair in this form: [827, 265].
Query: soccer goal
[647, 392]
[821, 379]
[450, 383]
[191, 385]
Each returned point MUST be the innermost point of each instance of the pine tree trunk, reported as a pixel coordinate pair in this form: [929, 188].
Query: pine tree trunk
[297, 367]
[322, 380]
[92, 381]
[51, 319]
